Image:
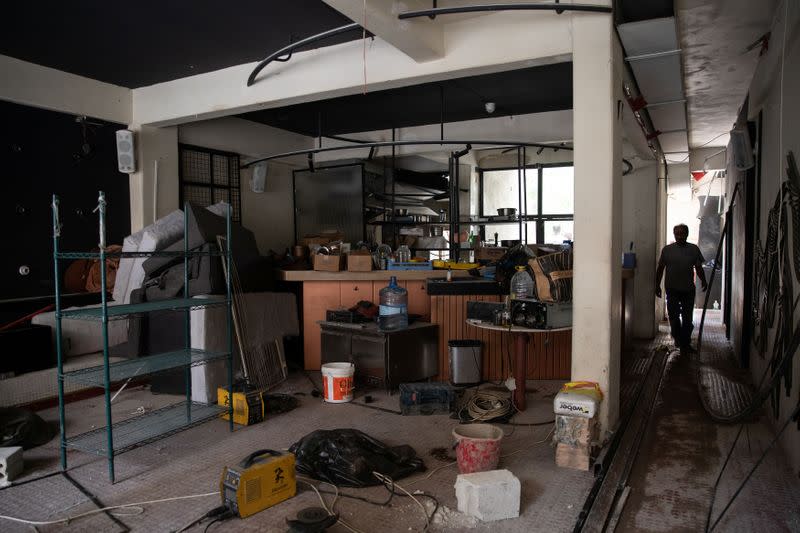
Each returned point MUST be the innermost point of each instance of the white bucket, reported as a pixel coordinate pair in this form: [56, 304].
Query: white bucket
[337, 382]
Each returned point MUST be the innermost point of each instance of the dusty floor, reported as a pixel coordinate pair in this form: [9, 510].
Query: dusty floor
[670, 483]
[681, 456]
[190, 463]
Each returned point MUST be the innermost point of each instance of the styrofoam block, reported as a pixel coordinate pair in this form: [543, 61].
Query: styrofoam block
[488, 496]
[80, 337]
[129, 244]
[10, 464]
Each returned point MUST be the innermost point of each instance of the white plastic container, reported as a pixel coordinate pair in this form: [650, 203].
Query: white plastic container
[575, 404]
[337, 382]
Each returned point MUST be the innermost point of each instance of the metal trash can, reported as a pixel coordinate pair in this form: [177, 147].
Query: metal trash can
[465, 361]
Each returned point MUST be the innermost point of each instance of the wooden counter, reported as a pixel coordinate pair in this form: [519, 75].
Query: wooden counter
[401, 275]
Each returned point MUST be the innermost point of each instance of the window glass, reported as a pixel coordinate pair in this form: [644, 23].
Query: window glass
[557, 231]
[500, 190]
[558, 191]
[509, 232]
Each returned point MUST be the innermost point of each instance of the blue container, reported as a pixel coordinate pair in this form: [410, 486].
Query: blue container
[629, 260]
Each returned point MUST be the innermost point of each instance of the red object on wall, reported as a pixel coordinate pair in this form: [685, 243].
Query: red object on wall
[698, 174]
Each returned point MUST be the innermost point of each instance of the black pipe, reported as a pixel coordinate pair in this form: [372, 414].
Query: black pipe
[380, 144]
[558, 8]
[288, 49]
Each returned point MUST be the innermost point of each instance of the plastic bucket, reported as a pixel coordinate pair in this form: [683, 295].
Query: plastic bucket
[477, 447]
[337, 382]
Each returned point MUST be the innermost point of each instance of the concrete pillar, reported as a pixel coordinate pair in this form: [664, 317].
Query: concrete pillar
[154, 185]
[597, 126]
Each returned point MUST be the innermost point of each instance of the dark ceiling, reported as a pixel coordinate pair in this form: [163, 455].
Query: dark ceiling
[139, 43]
[516, 92]
[636, 10]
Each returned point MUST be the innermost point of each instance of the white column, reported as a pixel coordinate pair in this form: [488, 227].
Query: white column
[154, 185]
[597, 117]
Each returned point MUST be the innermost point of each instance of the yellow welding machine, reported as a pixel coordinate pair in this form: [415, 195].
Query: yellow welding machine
[263, 479]
[248, 405]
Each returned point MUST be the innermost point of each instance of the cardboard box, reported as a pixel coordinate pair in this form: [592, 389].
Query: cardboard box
[328, 263]
[322, 238]
[490, 253]
[359, 262]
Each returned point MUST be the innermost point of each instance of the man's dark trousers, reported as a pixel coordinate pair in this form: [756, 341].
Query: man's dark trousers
[680, 308]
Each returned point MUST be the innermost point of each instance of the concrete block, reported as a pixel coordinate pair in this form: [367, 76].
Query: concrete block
[10, 464]
[488, 496]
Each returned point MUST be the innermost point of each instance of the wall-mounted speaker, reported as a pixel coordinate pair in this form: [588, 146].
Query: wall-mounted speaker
[126, 155]
[741, 149]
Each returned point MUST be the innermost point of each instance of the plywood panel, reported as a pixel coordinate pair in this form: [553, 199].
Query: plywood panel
[548, 353]
[419, 303]
[318, 297]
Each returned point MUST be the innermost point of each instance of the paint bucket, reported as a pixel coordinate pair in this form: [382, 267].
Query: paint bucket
[337, 382]
[477, 447]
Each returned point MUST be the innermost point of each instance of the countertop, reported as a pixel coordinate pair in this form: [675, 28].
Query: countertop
[318, 275]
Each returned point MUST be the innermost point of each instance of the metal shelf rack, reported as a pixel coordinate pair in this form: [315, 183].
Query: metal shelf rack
[117, 437]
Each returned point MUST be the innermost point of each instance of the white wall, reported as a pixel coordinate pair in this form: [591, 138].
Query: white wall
[639, 226]
[777, 99]
[37, 86]
[269, 215]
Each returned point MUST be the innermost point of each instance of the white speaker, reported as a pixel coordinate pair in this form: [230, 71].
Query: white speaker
[126, 155]
[742, 150]
[259, 180]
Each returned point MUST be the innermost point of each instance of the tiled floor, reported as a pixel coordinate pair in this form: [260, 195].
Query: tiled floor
[670, 482]
[681, 456]
[190, 462]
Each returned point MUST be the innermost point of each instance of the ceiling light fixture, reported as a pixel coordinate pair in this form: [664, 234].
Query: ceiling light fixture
[490, 107]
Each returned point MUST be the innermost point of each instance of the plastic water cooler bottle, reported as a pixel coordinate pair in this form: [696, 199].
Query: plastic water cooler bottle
[521, 284]
[393, 311]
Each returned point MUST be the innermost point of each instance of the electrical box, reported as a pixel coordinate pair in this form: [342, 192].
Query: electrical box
[264, 478]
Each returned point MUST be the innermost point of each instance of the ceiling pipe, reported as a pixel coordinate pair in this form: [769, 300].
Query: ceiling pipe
[293, 46]
[557, 7]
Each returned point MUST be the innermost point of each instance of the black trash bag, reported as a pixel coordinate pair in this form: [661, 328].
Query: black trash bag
[347, 458]
[19, 427]
[507, 265]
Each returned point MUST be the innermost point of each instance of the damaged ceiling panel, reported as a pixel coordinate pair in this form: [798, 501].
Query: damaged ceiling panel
[651, 50]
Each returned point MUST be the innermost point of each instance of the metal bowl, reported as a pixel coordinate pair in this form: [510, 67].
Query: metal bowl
[507, 212]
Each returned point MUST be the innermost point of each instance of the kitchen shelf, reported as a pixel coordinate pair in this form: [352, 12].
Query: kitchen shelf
[114, 312]
[163, 253]
[113, 438]
[145, 428]
[142, 366]
[390, 223]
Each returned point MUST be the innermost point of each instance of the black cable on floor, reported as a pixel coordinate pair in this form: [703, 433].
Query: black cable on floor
[32, 480]
[95, 500]
[749, 475]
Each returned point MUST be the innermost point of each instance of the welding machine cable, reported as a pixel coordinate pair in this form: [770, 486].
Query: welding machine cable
[104, 509]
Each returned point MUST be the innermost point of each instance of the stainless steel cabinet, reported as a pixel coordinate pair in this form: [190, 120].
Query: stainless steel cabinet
[383, 357]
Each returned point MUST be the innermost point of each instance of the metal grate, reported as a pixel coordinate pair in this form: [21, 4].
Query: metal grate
[145, 428]
[142, 366]
[210, 176]
[115, 312]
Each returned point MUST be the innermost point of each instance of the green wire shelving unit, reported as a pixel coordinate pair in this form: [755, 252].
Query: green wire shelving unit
[121, 436]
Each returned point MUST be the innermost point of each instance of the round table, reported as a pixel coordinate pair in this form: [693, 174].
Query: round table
[521, 337]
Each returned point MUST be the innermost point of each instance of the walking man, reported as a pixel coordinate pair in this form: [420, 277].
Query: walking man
[680, 259]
